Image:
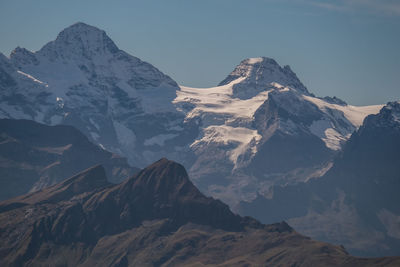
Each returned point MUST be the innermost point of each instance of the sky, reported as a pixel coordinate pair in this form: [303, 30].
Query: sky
[344, 48]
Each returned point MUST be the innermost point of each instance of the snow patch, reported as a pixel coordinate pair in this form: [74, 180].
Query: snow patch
[60, 102]
[244, 139]
[324, 130]
[277, 85]
[355, 114]
[335, 135]
[31, 77]
[255, 60]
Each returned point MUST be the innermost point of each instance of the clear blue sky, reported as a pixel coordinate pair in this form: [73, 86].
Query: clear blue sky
[347, 48]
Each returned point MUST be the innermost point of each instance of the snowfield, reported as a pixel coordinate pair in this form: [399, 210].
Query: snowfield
[220, 112]
[355, 114]
[220, 100]
[335, 135]
[226, 119]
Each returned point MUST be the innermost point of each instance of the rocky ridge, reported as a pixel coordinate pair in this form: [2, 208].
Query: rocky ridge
[155, 218]
[355, 202]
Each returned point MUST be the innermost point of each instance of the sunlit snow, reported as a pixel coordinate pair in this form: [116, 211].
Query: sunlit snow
[219, 104]
[31, 77]
[335, 136]
[355, 114]
[255, 60]
[244, 139]
[219, 100]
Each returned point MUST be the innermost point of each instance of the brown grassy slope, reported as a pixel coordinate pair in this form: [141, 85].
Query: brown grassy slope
[156, 218]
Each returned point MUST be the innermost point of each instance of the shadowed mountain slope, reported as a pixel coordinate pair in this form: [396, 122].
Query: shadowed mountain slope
[33, 156]
[155, 218]
[356, 203]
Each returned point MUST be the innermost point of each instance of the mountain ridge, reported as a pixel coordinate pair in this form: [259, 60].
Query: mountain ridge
[258, 74]
[93, 228]
[355, 202]
[130, 108]
[34, 156]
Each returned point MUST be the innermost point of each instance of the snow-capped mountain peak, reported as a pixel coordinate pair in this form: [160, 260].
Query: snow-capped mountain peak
[84, 56]
[80, 40]
[259, 73]
[83, 79]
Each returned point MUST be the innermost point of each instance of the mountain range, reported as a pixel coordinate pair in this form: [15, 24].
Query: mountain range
[241, 137]
[248, 141]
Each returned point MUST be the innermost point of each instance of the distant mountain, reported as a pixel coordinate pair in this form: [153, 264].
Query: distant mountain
[82, 79]
[34, 156]
[261, 127]
[356, 202]
[259, 73]
[156, 218]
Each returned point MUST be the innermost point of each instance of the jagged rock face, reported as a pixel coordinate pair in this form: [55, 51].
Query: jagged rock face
[115, 99]
[356, 202]
[21, 95]
[156, 218]
[34, 156]
[284, 121]
[259, 73]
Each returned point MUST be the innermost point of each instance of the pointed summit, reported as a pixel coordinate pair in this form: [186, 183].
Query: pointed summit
[258, 74]
[165, 179]
[163, 191]
[79, 40]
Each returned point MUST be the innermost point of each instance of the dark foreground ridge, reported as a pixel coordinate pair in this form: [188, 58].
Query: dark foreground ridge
[156, 218]
[34, 156]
